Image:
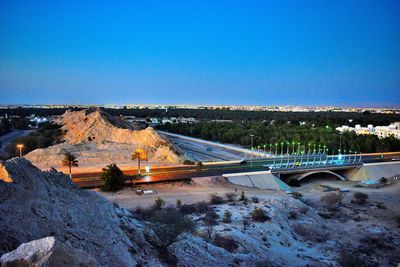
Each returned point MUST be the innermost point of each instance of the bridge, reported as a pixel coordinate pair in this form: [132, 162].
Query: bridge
[292, 168]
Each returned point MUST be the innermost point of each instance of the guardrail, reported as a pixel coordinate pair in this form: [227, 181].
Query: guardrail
[313, 161]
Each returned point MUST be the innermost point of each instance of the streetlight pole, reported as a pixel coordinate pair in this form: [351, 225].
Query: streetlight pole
[20, 146]
[251, 161]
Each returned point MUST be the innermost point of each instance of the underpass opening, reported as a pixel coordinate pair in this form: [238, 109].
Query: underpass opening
[298, 180]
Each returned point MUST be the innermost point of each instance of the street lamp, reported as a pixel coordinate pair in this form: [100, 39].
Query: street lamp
[20, 146]
[293, 143]
[252, 139]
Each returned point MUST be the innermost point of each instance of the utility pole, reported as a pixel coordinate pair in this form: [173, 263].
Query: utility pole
[251, 161]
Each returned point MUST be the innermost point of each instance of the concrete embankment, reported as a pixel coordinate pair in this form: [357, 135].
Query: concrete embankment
[375, 171]
[262, 180]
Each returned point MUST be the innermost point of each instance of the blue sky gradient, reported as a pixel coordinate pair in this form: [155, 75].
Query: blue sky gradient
[200, 52]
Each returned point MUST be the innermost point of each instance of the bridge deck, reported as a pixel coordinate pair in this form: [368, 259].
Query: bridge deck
[310, 162]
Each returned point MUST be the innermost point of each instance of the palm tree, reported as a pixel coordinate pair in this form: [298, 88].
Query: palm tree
[69, 161]
[139, 154]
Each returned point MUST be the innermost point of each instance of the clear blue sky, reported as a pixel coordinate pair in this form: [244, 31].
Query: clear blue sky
[337, 52]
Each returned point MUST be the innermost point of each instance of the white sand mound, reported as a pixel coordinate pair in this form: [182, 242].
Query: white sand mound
[97, 138]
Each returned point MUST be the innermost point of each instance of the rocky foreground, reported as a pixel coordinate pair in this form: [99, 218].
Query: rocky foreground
[47, 221]
[36, 204]
[97, 139]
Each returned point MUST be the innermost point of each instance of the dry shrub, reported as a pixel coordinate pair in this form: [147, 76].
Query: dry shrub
[216, 200]
[398, 220]
[360, 198]
[311, 232]
[159, 203]
[304, 209]
[297, 195]
[144, 213]
[226, 243]
[259, 215]
[210, 219]
[231, 197]
[293, 215]
[199, 208]
[227, 217]
[331, 200]
[167, 225]
[353, 258]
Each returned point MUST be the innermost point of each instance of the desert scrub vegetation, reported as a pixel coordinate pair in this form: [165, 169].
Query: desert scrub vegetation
[297, 195]
[167, 224]
[159, 203]
[198, 208]
[293, 215]
[210, 220]
[227, 217]
[243, 196]
[259, 215]
[310, 231]
[360, 198]
[397, 218]
[331, 200]
[353, 258]
[216, 199]
[225, 242]
[231, 197]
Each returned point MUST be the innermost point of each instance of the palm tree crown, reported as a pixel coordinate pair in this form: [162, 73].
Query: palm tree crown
[69, 161]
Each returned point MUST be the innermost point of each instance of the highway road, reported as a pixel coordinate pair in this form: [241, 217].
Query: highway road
[167, 174]
[203, 150]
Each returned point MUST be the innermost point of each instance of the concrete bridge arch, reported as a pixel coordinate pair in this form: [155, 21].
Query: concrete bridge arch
[295, 179]
[306, 174]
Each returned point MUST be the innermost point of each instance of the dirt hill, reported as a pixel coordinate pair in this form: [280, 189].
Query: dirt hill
[36, 204]
[97, 139]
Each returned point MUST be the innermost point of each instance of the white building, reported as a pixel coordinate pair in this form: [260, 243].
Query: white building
[381, 131]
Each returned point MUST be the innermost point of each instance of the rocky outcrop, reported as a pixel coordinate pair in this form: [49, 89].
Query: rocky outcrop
[97, 139]
[46, 252]
[36, 204]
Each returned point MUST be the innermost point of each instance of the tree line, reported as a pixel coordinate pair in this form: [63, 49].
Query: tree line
[316, 118]
[267, 133]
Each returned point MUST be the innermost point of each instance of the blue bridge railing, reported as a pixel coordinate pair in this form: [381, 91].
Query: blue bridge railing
[312, 161]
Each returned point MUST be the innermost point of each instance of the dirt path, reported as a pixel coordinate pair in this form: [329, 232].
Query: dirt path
[196, 191]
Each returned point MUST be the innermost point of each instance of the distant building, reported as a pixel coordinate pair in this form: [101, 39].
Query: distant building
[381, 131]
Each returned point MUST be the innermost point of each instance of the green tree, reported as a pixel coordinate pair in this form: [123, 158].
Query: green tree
[113, 178]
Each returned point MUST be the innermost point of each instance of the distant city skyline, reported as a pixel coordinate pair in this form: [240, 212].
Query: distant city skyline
[266, 53]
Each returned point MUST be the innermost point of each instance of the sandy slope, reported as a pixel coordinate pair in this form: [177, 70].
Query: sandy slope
[98, 139]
